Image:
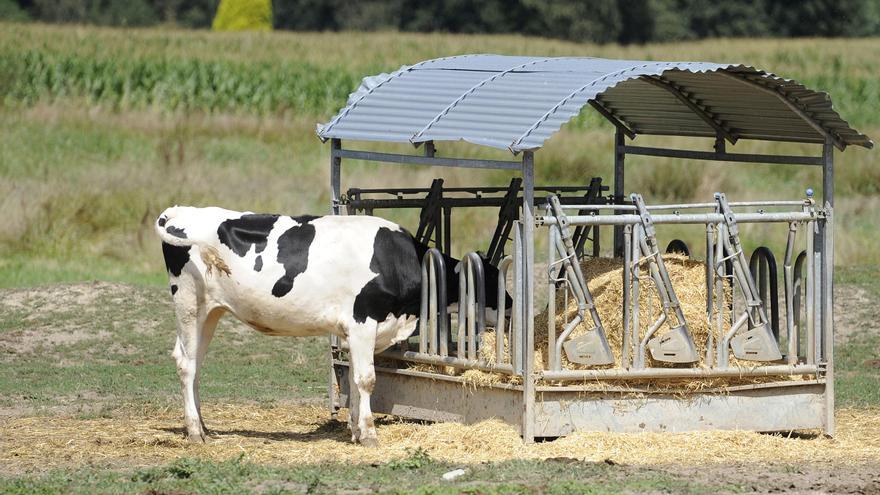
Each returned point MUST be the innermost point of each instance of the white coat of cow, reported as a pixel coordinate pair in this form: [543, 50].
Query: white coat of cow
[357, 277]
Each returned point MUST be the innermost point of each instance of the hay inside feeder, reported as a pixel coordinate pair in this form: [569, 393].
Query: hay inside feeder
[605, 280]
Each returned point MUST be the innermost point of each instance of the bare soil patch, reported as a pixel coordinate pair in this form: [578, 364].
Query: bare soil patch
[854, 311]
[63, 314]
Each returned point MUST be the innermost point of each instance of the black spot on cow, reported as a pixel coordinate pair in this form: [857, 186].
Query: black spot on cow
[293, 253]
[176, 232]
[258, 264]
[162, 221]
[173, 289]
[240, 234]
[175, 258]
[397, 287]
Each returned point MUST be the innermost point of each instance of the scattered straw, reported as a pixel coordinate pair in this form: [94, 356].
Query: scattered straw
[287, 435]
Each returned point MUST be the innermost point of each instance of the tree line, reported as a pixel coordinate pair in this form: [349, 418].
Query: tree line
[601, 21]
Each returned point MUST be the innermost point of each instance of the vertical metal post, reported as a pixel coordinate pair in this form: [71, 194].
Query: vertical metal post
[788, 276]
[828, 172]
[710, 292]
[335, 186]
[811, 294]
[335, 175]
[627, 294]
[553, 272]
[528, 218]
[447, 230]
[516, 314]
[720, 273]
[619, 157]
[635, 258]
[828, 281]
[828, 315]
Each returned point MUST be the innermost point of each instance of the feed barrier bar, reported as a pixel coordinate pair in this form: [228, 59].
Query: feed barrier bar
[622, 374]
[699, 218]
[424, 160]
[723, 157]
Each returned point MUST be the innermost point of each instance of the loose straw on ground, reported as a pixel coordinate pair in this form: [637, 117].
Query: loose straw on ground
[298, 434]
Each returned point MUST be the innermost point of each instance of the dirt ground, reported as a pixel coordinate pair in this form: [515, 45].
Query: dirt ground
[297, 432]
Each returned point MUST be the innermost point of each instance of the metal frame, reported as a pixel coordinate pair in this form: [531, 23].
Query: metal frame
[402, 392]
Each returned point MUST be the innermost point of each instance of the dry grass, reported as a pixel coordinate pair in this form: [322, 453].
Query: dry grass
[288, 435]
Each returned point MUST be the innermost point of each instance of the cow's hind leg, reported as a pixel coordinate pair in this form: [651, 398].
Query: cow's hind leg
[362, 346]
[195, 327]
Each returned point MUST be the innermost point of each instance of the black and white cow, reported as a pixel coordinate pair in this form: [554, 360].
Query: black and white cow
[357, 277]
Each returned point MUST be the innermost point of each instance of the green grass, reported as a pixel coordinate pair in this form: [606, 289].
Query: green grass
[857, 362]
[121, 352]
[103, 128]
[417, 475]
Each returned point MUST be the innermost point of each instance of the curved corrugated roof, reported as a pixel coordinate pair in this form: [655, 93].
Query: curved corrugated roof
[517, 103]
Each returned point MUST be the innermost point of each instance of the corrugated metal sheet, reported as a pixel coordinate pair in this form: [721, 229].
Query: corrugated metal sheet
[517, 103]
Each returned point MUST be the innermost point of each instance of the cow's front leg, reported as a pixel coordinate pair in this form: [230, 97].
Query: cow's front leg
[362, 346]
[354, 399]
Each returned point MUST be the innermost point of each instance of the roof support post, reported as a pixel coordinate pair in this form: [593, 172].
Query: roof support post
[828, 172]
[827, 239]
[619, 191]
[791, 106]
[335, 186]
[528, 264]
[708, 117]
[335, 175]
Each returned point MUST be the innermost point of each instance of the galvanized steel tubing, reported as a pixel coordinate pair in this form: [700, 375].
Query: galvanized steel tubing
[433, 319]
[719, 250]
[471, 317]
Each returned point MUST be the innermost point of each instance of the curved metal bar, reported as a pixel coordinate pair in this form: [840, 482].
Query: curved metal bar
[472, 279]
[705, 114]
[678, 246]
[797, 292]
[501, 325]
[790, 332]
[794, 107]
[434, 304]
[762, 265]
[414, 138]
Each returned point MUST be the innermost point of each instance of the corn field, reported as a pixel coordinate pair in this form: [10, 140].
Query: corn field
[312, 73]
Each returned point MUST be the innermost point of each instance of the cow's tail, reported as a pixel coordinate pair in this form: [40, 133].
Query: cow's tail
[175, 227]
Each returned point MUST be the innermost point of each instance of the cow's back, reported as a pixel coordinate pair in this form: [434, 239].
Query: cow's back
[307, 275]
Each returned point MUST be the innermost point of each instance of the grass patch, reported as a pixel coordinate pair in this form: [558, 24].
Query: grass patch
[239, 476]
[857, 362]
[105, 128]
[94, 347]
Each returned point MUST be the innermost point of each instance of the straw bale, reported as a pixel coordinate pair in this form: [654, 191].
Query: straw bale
[292, 434]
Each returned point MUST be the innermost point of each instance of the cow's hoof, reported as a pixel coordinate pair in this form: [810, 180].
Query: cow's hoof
[370, 442]
[197, 438]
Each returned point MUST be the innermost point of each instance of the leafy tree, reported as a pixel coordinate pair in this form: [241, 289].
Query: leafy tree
[243, 15]
[12, 12]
